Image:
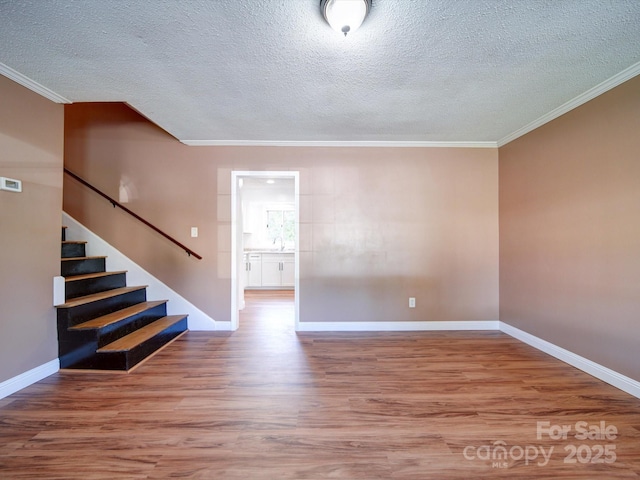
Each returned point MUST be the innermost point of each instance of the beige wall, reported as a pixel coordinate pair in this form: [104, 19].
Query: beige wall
[31, 143]
[378, 225]
[570, 231]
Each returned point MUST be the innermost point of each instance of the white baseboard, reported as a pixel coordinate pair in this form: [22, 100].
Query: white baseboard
[136, 275]
[395, 326]
[223, 326]
[29, 377]
[605, 374]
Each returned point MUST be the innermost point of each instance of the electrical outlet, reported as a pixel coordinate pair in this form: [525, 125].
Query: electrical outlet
[194, 232]
[412, 302]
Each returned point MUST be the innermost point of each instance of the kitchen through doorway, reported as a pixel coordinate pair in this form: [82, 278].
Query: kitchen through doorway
[265, 236]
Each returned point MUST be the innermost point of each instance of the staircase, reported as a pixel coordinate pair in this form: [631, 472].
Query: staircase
[104, 324]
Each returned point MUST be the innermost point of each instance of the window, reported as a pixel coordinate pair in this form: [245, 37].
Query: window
[281, 228]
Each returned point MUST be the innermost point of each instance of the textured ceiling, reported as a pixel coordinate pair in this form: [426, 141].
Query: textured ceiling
[233, 71]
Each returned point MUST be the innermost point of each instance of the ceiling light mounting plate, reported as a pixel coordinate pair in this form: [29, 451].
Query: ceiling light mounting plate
[345, 16]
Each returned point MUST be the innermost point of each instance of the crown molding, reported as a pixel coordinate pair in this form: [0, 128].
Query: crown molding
[289, 143]
[31, 84]
[581, 99]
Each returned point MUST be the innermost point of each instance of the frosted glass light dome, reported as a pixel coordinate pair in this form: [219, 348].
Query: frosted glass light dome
[345, 16]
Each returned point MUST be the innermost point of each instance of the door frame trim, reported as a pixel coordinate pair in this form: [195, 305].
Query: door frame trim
[235, 176]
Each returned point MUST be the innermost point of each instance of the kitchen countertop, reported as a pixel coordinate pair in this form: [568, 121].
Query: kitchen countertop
[262, 250]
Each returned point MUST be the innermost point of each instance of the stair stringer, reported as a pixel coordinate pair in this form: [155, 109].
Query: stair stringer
[136, 275]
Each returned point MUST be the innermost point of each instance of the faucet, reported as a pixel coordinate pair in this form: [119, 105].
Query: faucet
[281, 242]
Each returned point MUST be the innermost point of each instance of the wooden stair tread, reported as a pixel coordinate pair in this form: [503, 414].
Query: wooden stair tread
[110, 311]
[94, 297]
[66, 259]
[118, 315]
[86, 276]
[141, 335]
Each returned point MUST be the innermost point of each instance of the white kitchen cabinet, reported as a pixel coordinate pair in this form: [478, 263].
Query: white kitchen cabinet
[271, 273]
[288, 271]
[253, 269]
[276, 270]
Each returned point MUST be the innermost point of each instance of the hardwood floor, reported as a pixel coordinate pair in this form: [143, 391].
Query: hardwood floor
[265, 403]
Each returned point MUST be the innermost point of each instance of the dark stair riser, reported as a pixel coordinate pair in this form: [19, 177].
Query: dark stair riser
[142, 351]
[76, 356]
[126, 360]
[76, 346]
[68, 342]
[71, 316]
[82, 266]
[80, 288]
[113, 332]
[71, 250]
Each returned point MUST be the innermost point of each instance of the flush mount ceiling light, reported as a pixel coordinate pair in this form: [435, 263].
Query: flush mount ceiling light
[345, 16]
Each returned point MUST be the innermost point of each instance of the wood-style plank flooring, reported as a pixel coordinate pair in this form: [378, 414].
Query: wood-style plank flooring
[265, 403]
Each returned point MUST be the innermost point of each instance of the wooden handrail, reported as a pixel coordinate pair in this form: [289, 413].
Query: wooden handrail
[134, 215]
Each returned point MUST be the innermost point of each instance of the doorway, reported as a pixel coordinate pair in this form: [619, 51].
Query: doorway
[273, 241]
